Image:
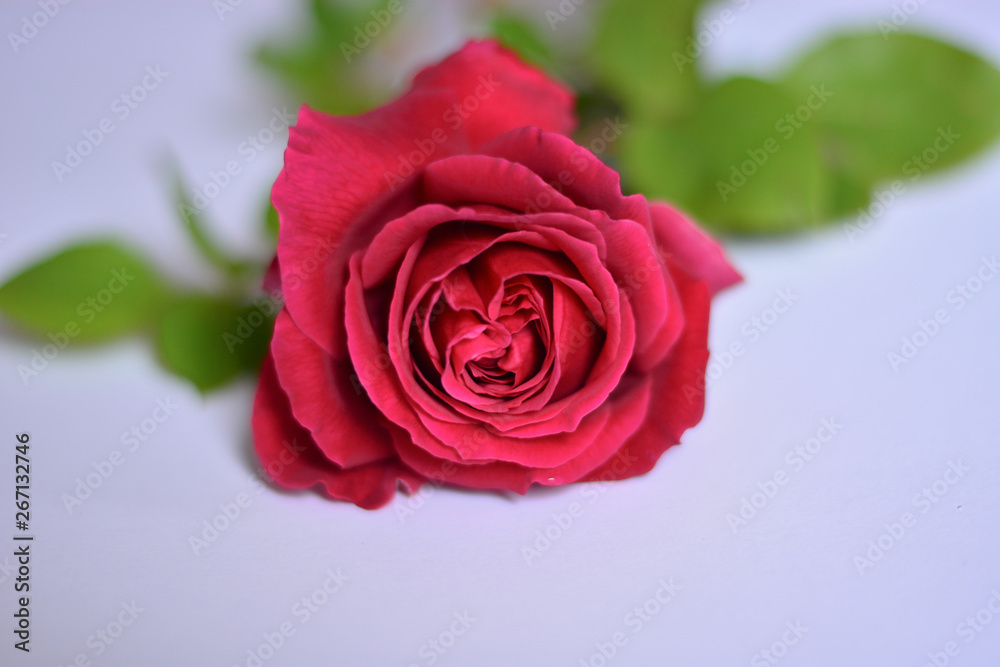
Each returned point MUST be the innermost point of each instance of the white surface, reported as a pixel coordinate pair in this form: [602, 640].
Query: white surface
[458, 552]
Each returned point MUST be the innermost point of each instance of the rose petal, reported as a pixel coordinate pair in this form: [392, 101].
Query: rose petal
[678, 391]
[692, 249]
[290, 457]
[343, 422]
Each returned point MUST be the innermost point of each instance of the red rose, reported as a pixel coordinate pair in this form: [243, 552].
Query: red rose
[470, 299]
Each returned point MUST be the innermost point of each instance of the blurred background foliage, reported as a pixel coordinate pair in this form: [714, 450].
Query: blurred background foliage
[809, 145]
[806, 146]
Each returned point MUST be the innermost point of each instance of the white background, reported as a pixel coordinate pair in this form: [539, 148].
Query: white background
[794, 561]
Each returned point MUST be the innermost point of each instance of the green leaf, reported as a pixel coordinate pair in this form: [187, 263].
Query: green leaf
[901, 105]
[320, 65]
[271, 222]
[522, 37]
[210, 340]
[736, 162]
[89, 292]
[260, 321]
[641, 55]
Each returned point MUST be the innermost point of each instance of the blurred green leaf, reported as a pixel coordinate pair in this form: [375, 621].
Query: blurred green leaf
[320, 64]
[641, 55]
[210, 340]
[258, 318]
[737, 162]
[89, 292]
[901, 105]
[271, 222]
[521, 36]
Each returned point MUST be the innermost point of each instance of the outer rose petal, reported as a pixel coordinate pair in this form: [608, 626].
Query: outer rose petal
[344, 424]
[678, 391]
[340, 171]
[289, 455]
[692, 249]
